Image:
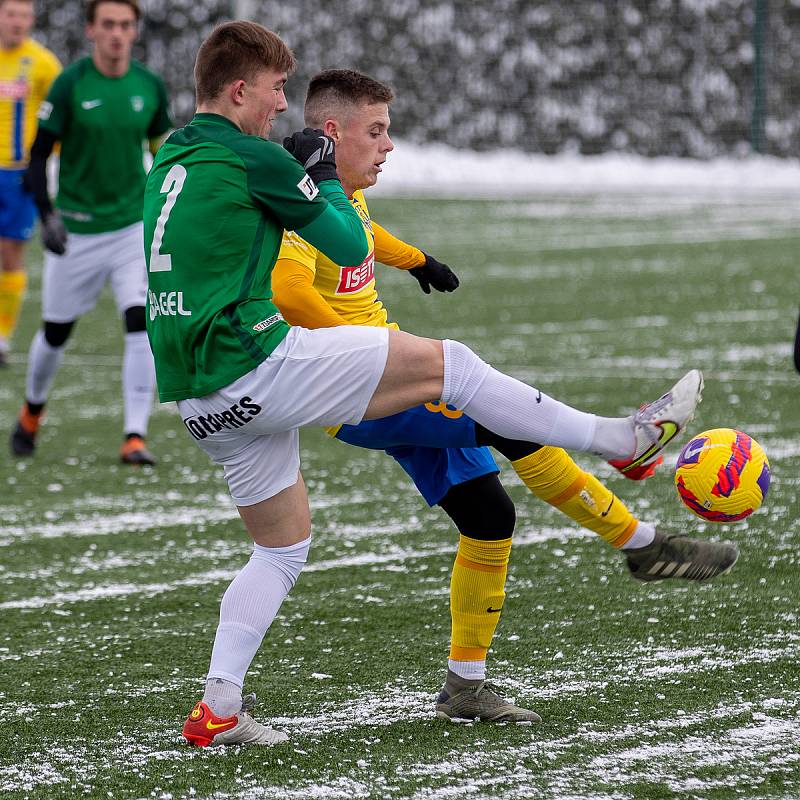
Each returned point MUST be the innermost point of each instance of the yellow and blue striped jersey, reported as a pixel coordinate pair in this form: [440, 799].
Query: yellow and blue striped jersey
[26, 73]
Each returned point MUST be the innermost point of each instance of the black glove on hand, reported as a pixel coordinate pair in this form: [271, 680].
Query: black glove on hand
[435, 274]
[54, 234]
[315, 151]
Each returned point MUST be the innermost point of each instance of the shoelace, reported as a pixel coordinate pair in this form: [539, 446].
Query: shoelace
[493, 690]
[248, 704]
[655, 407]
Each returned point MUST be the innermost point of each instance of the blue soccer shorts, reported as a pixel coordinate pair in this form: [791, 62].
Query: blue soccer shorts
[433, 443]
[17, 210]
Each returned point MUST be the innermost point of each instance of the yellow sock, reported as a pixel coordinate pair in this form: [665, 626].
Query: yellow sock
[477, 592]
[12, 290]
[555, 478]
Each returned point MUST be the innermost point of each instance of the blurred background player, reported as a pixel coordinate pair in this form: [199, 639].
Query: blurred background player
[26, 71]
[101, 108]
[436, 444]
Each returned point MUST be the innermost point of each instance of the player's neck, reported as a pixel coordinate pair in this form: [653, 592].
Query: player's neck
[9, 46]
[111, 67]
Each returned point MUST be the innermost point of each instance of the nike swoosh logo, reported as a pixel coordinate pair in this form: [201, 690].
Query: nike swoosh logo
[87, 104]
[212, 726]
[491, 610]
[605, 513]
[669, 430]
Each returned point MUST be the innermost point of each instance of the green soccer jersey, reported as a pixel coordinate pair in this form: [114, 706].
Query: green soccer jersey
[102, 123]
[216, 204]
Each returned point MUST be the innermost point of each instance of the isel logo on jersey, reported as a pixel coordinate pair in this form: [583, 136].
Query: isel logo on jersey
[166, 304]
[15, 90]
[353, 279]
[234, 416]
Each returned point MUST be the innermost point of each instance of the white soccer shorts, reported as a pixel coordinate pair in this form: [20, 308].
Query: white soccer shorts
[71, 284]
[313, 378]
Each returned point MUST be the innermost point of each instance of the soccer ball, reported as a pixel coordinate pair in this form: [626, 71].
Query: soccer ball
[722, 475]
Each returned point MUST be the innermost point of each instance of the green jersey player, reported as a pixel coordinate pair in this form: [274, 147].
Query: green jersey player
[216, 201]
[101, 109]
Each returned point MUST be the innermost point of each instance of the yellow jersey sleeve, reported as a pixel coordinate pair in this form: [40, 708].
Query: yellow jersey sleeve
[393, 252]
[26, 73]
[300, 303]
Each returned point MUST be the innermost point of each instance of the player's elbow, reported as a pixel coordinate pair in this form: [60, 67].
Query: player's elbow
[354, 252]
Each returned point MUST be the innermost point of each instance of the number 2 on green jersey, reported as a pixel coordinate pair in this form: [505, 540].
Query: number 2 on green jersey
[173, 183]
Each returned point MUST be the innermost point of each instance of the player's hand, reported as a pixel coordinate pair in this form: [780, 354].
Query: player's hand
[435, 274]
[315, 151]
[54, 234]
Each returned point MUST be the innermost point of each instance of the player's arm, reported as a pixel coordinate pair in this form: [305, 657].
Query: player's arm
[300, 303]
[54, 234]
[54, 118]
[426, 269]
[161, 125]
[337, 231]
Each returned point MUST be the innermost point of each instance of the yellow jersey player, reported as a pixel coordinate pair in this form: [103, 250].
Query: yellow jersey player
[442, 449]
[26, 71]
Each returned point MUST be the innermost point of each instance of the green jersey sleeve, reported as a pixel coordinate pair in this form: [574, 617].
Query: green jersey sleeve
[338, 231]
[54, 114]
[278, 183]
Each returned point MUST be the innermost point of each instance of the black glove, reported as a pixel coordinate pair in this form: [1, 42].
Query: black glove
[315, 151]
[54, 234]
[434, 273]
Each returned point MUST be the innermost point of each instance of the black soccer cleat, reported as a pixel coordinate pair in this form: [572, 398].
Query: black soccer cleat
[134, 451]
[23, 437]
[672, 556]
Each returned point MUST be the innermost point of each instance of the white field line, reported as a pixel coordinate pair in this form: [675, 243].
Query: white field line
[395, 555]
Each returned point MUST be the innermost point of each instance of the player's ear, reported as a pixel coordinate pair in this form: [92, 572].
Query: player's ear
[332, 128]
[236, 92]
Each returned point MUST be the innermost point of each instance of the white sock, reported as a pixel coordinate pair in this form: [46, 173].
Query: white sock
[642, 536]
[471, 670]
[43, 363]
[138, 382]
[515, 410]
[248, 607]
[223, 697]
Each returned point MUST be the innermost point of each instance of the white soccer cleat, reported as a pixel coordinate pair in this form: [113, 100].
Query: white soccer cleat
[656, 424]
[204, 728]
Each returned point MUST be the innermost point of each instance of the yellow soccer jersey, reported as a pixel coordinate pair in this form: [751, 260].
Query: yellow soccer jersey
[349, 291]
[26, 73]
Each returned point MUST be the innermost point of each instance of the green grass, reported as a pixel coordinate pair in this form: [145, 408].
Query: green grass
[111, 578]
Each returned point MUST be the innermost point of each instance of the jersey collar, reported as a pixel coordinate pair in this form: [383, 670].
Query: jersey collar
[214, 119]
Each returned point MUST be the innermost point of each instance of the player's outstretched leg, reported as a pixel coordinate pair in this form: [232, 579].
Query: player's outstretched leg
[204, 728]
[554, 477]
[670, 555]
[514, 410]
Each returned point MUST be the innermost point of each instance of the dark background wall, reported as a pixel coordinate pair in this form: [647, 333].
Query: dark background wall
[654, 77]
